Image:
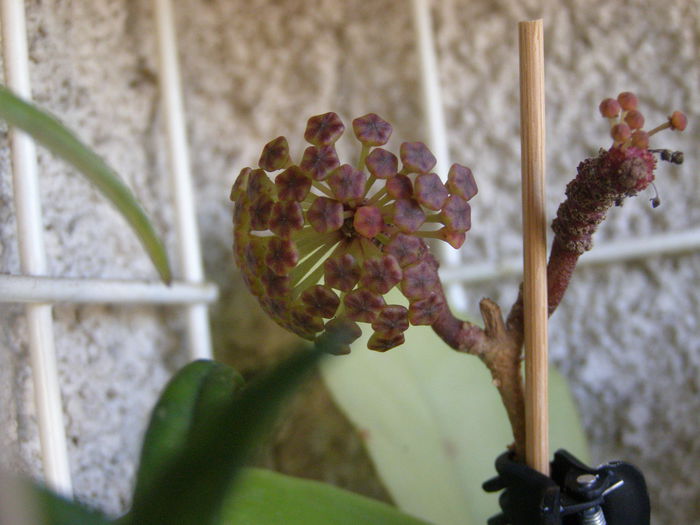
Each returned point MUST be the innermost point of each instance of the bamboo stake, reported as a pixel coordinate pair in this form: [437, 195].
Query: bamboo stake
[534, 244]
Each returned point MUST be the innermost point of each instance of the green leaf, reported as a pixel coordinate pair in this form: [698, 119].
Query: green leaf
[434, 423]
[192, 489]
[263, 497]
[198, 389]
[53, 135]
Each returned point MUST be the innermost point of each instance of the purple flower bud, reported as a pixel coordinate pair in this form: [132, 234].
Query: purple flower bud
[260, 211]
[382, 163]
[460, 181]
[363, 305]
[325, 215]
[286, 217]
[430, 191]
[324, 130]
[347, 183]
[282, 255]
[399, 187]
[292, 184]
[320, 300]
[456, 214]
[392, 320]
[408, 215]
[341, 272]
[275, 155]
[380, 342]
[416, 157]
[419, 280]
[381, 274]
[368, 221]
[406, 248]
[372, 130]
[318, 162]
[425, 311]
[259, 184]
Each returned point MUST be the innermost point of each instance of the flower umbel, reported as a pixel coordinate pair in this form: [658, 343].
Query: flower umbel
[320, 243]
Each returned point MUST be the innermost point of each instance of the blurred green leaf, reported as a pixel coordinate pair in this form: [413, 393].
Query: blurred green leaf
[53, 135]
[199, 388]
[192, 489]
[434, 423]
[263, 497]
[48, 508]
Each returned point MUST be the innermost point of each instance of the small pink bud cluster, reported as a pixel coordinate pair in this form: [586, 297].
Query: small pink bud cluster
[320, 243]
[627, 122]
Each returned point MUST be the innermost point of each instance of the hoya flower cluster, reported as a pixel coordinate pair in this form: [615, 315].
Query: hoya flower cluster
[320, 243]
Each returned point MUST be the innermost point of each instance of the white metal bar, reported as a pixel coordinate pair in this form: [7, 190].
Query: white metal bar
[434, 113]
[185, 215]
[30, 289]
[33, 259]
[609, 253]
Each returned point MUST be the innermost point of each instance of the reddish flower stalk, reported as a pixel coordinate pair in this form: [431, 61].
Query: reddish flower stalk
[362, 233]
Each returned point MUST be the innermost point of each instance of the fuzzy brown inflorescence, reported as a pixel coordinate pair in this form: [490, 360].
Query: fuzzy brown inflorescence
[322, 243]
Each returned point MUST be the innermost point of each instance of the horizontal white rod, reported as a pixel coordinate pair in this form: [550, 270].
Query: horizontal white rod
[30, 230]
[198, 332]
[611, 252]
[29, 289]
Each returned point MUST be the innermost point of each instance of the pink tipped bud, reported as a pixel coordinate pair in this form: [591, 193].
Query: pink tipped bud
[609, 108]
[678, 120]
[634, 119]
[620, 132]
[628, 101]
[368, 221]
[640, 139]
[430, 191]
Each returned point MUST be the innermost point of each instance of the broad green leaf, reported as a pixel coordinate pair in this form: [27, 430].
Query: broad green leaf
[434, 424]
[53, 135]
[192, 489]
[198, 389]
[263, 497]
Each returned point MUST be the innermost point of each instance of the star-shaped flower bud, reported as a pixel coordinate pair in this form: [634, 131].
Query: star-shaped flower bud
[275, 155]
[453, 238]
[324, 130]
[286, 217]
[634, 119]
[399, 187]
[282, 255]
[260, 211]
[367, 221]
[381, 274]
[425, 311]
[419, 280]
[259, 184]
[292, 184]
[407, 249]
[347, 183]
[339, 333]
[341, 272]
[254, 254]
[382, 163]
[392, 320]
[325, 215]
[628, 101]
[416, 158]
[276, 307]
[430, 191]
[275, 285]
[460, 181]
[239, 184]
[381, 343]
[372, 130]
[318, 162]
[306, 324]
[456, 214]
[408, 216]
[320, 301]
[678, 120]
[363, 305]
[609, 108]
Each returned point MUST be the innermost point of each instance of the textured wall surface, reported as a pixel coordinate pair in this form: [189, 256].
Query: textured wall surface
[626, 334]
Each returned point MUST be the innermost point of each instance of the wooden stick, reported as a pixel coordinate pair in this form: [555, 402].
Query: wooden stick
[534, 244]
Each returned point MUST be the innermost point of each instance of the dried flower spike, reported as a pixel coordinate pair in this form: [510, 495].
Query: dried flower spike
[322, 244]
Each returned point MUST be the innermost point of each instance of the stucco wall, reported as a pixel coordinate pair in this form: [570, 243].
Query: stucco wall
[625, 334]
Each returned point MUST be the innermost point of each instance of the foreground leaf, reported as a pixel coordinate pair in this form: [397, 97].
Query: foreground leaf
[200, 388]
[192, 489]
[434, 424]
[58, 139]
[266, 498]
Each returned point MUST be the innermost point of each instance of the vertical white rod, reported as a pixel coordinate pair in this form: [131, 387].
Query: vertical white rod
[47, 392]
[434, 113]
[185, 216]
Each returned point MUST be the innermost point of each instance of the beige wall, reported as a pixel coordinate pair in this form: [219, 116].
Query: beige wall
[626, 335]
